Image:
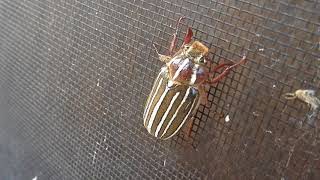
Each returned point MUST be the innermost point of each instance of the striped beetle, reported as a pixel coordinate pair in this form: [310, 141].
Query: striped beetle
[179, 87]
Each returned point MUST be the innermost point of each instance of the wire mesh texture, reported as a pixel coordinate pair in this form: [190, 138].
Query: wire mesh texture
[74, 77]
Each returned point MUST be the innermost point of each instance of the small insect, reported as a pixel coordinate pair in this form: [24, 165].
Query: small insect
[179, 87]
[308, 96]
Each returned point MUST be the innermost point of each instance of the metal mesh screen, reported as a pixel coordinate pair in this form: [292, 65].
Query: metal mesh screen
[74, 76]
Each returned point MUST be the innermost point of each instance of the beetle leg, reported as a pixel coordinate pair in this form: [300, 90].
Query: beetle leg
[203, 95]
[162, 57]
[173, 44]
[216, 68]
[204, 101]
[175, 34]
[189, 127]
[226, 71]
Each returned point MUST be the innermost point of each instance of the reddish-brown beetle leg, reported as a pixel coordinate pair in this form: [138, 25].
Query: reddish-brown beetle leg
[203, 95]
[215, 69]
[226, 71]
[173, 44]
[189, 127]
[174, 38]
[204, 101]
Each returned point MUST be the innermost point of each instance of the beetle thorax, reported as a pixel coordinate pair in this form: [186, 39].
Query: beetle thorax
[183, 70]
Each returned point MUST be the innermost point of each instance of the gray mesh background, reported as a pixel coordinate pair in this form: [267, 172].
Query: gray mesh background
[74, 76]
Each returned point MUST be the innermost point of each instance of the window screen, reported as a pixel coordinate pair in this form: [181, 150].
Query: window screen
[74, 77]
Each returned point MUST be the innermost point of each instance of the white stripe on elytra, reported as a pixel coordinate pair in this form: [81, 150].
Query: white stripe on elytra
[166, 113]
[185, 62]
[156, 108]
[150, 102]
[194, 75]
[175, 114]
[181, 124]
[170, 84]
[152, 99]
[173, 59]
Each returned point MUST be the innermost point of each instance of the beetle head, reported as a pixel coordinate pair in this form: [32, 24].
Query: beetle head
[198, 51]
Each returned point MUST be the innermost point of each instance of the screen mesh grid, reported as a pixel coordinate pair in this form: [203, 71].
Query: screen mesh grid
[75, 76]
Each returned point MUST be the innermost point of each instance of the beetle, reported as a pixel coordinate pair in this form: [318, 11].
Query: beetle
[179, 87]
